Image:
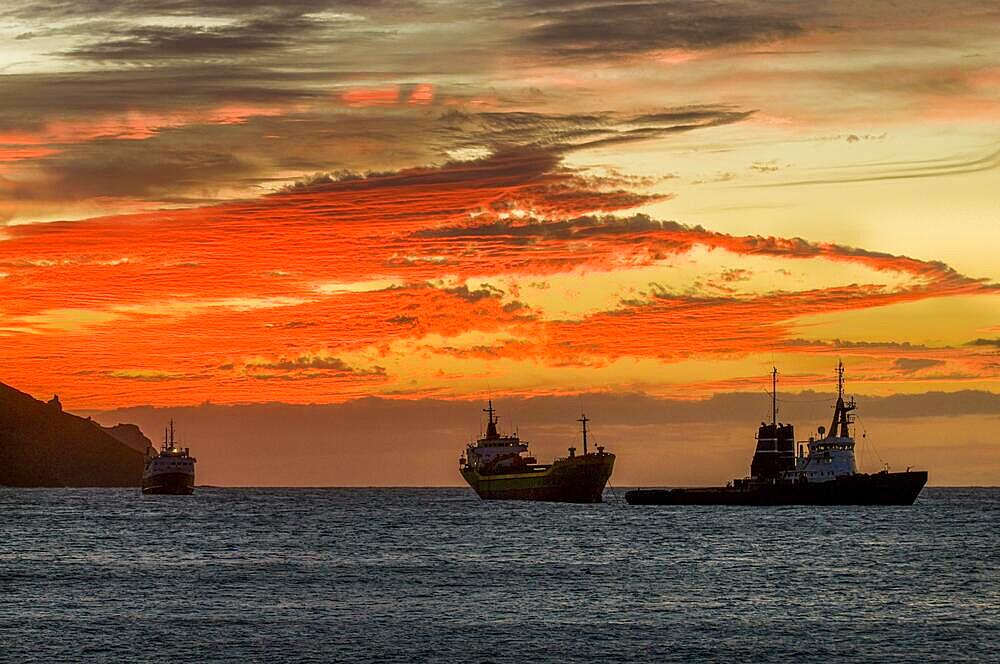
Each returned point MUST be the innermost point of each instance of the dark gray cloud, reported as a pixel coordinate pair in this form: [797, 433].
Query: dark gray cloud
[587, 29]
[804, 409]
[688, 115]
[179, 61]
[559, 230]
[485, 291]
[298, 58]
[913, 364]
[27, 102]
[582, 130]
[281, 31]
[61, 10]
[142, 43]
[151, 377]
[528, 142]
[841, 343]
[526, 145]
[134, 170]
[198, 162]
[308, 367]
[303, 35]
[163, 55]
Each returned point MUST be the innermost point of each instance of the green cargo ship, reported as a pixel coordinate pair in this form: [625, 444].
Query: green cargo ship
[499, 468]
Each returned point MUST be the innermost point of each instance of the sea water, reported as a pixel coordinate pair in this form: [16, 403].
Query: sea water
[411, 575]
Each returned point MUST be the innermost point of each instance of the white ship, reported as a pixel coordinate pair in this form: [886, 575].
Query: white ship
[831, 455]
[171, 471]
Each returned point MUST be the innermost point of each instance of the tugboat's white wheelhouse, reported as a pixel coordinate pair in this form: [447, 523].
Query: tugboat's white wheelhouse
[830, 456]
[828, 459]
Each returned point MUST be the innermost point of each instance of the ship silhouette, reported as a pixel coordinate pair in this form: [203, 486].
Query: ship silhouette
[827, 475]
[498, 467]
[171, 471]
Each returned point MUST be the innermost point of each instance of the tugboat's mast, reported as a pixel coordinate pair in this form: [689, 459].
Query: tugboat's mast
[841, 419]
[583, 420]
[840, 381]
[774, 396]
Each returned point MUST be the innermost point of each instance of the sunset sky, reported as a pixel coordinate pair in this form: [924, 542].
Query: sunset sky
[312, 202]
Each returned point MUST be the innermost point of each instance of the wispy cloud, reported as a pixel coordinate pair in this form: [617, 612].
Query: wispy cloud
[942, 167]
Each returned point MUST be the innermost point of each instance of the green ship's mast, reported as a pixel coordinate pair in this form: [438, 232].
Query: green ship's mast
[583, 420]
[491, 428]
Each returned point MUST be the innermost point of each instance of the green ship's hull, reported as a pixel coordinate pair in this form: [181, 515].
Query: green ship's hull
[578, 479]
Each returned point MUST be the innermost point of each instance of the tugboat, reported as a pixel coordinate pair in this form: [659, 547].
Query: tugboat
[495, 468]
[828, 475]
[171, 471]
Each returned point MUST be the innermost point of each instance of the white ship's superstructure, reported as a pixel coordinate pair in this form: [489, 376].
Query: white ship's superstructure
[170, 471]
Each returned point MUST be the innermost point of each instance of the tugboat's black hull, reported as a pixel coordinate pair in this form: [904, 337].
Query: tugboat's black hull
[177, 484]
[878, 489]
[576, 480]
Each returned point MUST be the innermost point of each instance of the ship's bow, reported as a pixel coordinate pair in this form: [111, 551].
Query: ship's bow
[582, 479]
[179, 484]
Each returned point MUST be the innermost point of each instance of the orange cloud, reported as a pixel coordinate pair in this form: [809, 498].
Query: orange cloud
[421, 94]
[17, 153]
[132, 125]
[317, 293]
[362, 97]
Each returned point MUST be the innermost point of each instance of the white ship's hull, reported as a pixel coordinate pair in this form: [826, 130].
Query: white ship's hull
[169, 483]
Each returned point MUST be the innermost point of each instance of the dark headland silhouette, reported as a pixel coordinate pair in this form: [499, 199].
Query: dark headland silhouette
[42, 446]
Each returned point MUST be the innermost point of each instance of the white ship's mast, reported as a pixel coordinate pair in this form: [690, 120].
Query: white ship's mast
[169, 443]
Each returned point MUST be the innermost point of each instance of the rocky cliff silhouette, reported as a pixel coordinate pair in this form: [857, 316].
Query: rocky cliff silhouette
[42, 446]
[132, 435]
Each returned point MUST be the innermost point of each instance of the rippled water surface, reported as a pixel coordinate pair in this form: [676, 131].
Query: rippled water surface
[436, 575]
